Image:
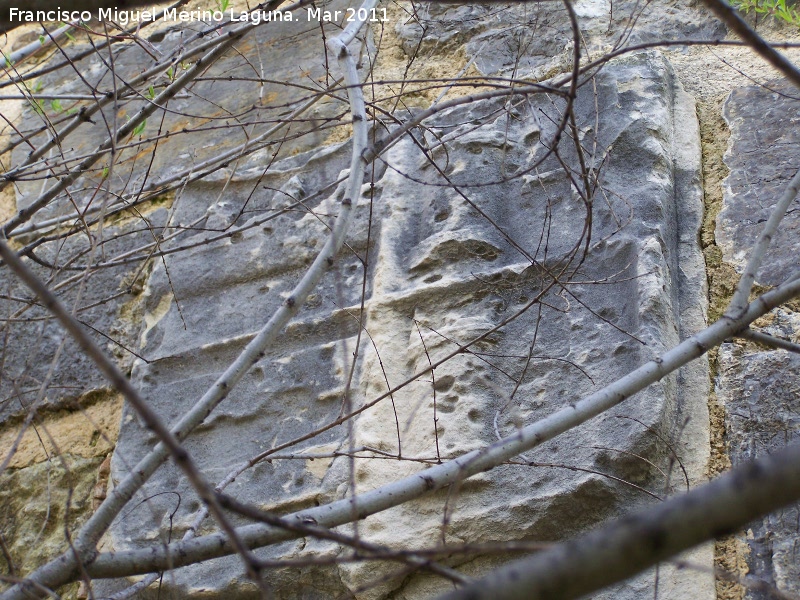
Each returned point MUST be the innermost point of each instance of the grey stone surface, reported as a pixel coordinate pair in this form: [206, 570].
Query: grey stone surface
[216, 113]
[212, 104]
[762, 396]
[535, 39]
[762, 158]
[442, 268]
[33, 358]
[761, 389]
[436, 270]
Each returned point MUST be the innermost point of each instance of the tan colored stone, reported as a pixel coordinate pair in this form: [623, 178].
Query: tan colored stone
[90, 432]
[38, 503]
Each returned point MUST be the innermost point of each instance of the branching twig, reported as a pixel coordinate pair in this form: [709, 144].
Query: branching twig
[769, 340]
[732, 19]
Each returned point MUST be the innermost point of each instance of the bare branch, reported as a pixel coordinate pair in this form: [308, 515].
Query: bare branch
[769, 340]
[740, 297]
[626, 547]
[732, 19]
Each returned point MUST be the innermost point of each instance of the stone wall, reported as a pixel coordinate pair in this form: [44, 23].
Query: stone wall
[460, 226]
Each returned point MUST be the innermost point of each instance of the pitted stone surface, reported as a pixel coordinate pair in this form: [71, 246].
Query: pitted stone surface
[442, 270]
[762, 158]
[441, 273]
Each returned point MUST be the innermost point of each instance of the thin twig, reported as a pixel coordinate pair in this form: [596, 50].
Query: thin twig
[769, 340]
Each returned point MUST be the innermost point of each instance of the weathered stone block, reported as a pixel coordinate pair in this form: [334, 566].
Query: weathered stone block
[760, 388]
[470, 224]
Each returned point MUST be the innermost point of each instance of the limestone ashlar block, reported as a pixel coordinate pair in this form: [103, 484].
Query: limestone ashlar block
[463, 236]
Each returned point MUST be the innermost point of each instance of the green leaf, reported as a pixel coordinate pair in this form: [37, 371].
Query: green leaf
[56, 105]
[104, 173]
[68, 33]
[151, 92]
[36, 105]
[140, 128]
[41, 40]
[780, 9]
